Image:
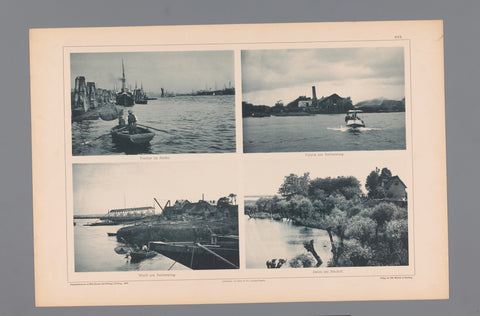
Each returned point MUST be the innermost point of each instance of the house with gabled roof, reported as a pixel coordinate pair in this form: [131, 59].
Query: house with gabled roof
[395, 189]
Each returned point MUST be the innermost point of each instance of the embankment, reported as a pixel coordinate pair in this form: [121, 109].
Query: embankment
[171, 231]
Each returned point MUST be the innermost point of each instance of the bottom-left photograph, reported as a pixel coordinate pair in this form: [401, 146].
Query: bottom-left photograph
[155, 216]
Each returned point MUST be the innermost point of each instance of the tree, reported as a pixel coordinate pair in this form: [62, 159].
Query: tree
[361, 228]
[281, 207]
[320, 189]
[301, 207]
[295, 185]
[223, 201]
[372, 183]
[386, 174]
[264, 204]
[354, 254]
[233, 198]
[381, 214]
[335, 223]
[397, 237]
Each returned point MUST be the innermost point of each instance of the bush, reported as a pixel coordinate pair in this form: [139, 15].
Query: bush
[302, 261]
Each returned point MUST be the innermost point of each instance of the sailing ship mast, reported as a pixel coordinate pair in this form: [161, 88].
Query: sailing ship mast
[123, 77]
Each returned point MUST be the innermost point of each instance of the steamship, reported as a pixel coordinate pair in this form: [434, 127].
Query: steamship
[124, 97]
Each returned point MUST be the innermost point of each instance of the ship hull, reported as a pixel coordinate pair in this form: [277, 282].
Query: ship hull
[199, 257]
[125, 99]
[355, 123]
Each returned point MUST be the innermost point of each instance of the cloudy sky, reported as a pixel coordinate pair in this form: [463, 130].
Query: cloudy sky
[361, 73]
[178, 72]
[98, 188]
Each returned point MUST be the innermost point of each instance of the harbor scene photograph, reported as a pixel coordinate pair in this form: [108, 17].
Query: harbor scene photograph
[152, 102]
[323, 99]
[186, 224]
[312, 217]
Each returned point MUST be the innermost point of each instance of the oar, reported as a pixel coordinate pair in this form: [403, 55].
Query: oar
[160, 130]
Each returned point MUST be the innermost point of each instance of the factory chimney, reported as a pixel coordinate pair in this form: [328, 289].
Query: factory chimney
[314, 96]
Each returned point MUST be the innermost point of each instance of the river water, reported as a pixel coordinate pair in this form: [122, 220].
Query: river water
[194, 124]
[94, 252]
[322, 132]
[267, 239]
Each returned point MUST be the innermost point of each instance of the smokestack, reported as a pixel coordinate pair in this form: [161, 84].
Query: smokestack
[314, 96]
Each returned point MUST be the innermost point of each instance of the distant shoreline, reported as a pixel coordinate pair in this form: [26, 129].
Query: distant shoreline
[86, 216]
[334, 104]
[258, 115]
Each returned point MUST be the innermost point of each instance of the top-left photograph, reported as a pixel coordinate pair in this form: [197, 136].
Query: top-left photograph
[152, 103]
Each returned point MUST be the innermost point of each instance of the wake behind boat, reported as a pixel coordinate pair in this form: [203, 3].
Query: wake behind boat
[352, 120]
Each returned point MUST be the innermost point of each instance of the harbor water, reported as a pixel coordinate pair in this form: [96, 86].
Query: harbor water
[323, 132]
[193, 124]
[94, 252]
[267, 239]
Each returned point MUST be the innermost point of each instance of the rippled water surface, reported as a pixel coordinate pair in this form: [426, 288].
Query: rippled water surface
[193, 124]
[382, 131]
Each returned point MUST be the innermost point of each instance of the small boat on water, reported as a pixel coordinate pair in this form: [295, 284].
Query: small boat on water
[121, 134]
[140, 95]
[222, 253]
[112, 234]
[102, 223]
[352, 120]
[139, 255]
[122, 250]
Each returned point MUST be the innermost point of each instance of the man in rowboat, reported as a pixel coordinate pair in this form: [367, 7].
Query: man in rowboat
[132, 122]
[121, 119]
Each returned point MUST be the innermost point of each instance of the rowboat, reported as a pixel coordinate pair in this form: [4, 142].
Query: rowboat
[222, 254]
[352, 120]
[139, 255]
[121, 134]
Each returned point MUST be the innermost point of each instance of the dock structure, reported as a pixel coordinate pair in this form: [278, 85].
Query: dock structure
[129, 214]
[86, 95]
[92, 94]
[80, 102]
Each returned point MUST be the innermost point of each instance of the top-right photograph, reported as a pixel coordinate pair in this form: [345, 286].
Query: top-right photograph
[328, 99]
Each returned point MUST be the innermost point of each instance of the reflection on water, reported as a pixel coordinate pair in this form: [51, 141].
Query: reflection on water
[189, 124]
[323, 132]
[94, 252]
[267, 239]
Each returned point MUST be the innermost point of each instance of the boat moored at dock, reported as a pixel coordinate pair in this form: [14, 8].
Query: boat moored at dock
[139, 255]
[222, 253]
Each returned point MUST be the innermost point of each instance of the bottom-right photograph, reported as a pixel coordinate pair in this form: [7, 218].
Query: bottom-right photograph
[325, 218]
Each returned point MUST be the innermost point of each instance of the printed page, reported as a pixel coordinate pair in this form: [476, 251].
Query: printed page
[239, 163]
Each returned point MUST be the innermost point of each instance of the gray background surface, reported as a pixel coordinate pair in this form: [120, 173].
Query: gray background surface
[462, 25]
